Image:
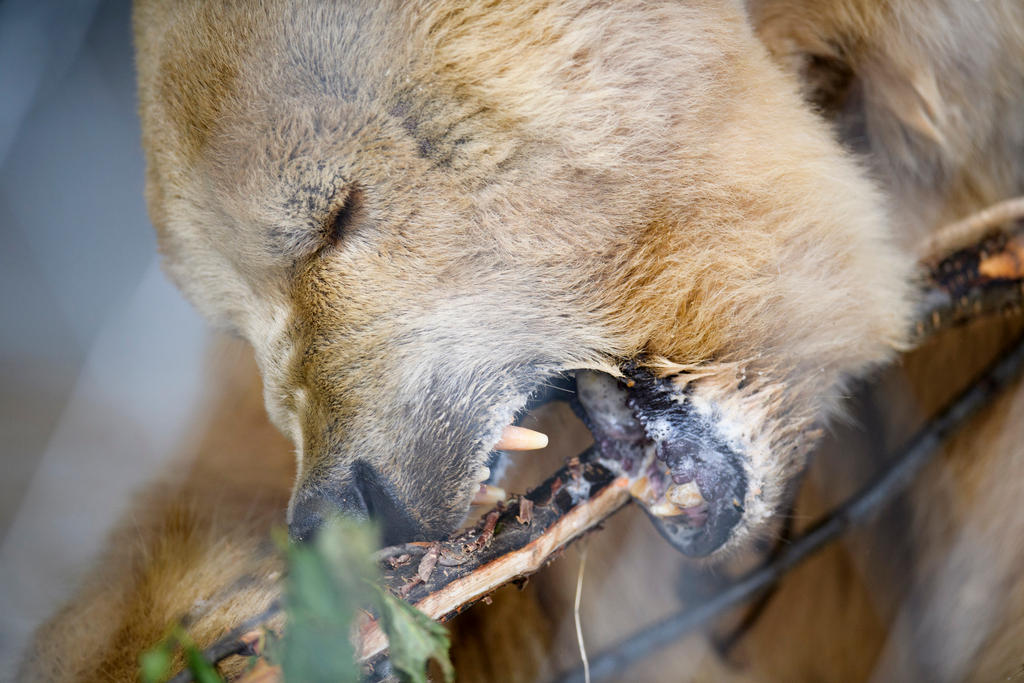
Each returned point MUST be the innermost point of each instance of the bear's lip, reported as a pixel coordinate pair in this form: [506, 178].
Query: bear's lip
[640, 429]
[513, 439]
[485, 469]
[483, 462]
[697, 522]
[557, 384]
[701, 528]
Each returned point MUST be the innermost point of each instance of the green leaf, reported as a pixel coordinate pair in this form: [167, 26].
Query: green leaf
[326, 587]
[414, 639]
[155, 663]
[202, 670]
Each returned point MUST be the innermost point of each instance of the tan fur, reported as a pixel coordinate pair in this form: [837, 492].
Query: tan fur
[934, 98]
[669, 196]
[937, 93]
[644, 171]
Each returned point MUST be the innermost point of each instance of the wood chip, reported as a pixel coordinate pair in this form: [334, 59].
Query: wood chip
[407, 587]
[1006, 265]
[487, 533]
[399, 561]
[452, 557]
[556, 486]
[525, 515]
[428, 562]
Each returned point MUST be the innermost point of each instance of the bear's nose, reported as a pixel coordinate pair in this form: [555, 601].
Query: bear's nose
[315, 505]
[364, 496]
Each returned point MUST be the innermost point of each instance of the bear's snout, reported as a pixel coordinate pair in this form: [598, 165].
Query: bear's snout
[364, 497]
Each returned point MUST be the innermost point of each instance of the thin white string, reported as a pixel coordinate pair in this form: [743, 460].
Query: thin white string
[576, 614]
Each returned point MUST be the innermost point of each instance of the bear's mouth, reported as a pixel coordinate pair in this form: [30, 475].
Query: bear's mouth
[504, 435]
[691, 484]
[512, 439]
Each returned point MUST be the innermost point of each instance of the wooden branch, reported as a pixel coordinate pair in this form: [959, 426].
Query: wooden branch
[512, 542]
[972, 229]
[515, 540]
[980, 280]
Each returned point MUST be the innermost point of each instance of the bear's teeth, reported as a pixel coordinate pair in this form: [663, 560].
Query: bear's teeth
[520, 439]
[489, 495]
[685, 495]
[485, 474]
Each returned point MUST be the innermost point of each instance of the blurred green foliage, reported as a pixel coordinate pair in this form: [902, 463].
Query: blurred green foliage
[155, 664]
[328, 583]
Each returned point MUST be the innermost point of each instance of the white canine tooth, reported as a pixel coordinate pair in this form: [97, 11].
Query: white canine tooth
[521, 439]
[685, 495]
[485, 474]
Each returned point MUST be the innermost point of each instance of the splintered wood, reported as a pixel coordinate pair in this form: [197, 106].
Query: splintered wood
[980, 280]
[510, 543]
[1007, 264]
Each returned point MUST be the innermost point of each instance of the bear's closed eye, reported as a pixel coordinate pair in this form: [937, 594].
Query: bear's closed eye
[343, 217]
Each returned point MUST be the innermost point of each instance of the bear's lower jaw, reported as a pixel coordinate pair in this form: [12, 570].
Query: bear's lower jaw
[701, 529]
[697, 537]
[695, 501]
[691, 483]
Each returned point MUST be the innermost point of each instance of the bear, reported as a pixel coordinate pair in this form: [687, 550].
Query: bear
[295, 190]
[417, 214]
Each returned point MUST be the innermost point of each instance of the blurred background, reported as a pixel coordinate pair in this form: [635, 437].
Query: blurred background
[99, 355]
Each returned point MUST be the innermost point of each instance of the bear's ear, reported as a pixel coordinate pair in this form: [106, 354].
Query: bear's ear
[819, 48]
[910, 96]
[841, 94]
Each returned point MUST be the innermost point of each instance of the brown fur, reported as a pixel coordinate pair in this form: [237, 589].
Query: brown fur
[646, 174]
[669, 198]
[932, 94]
